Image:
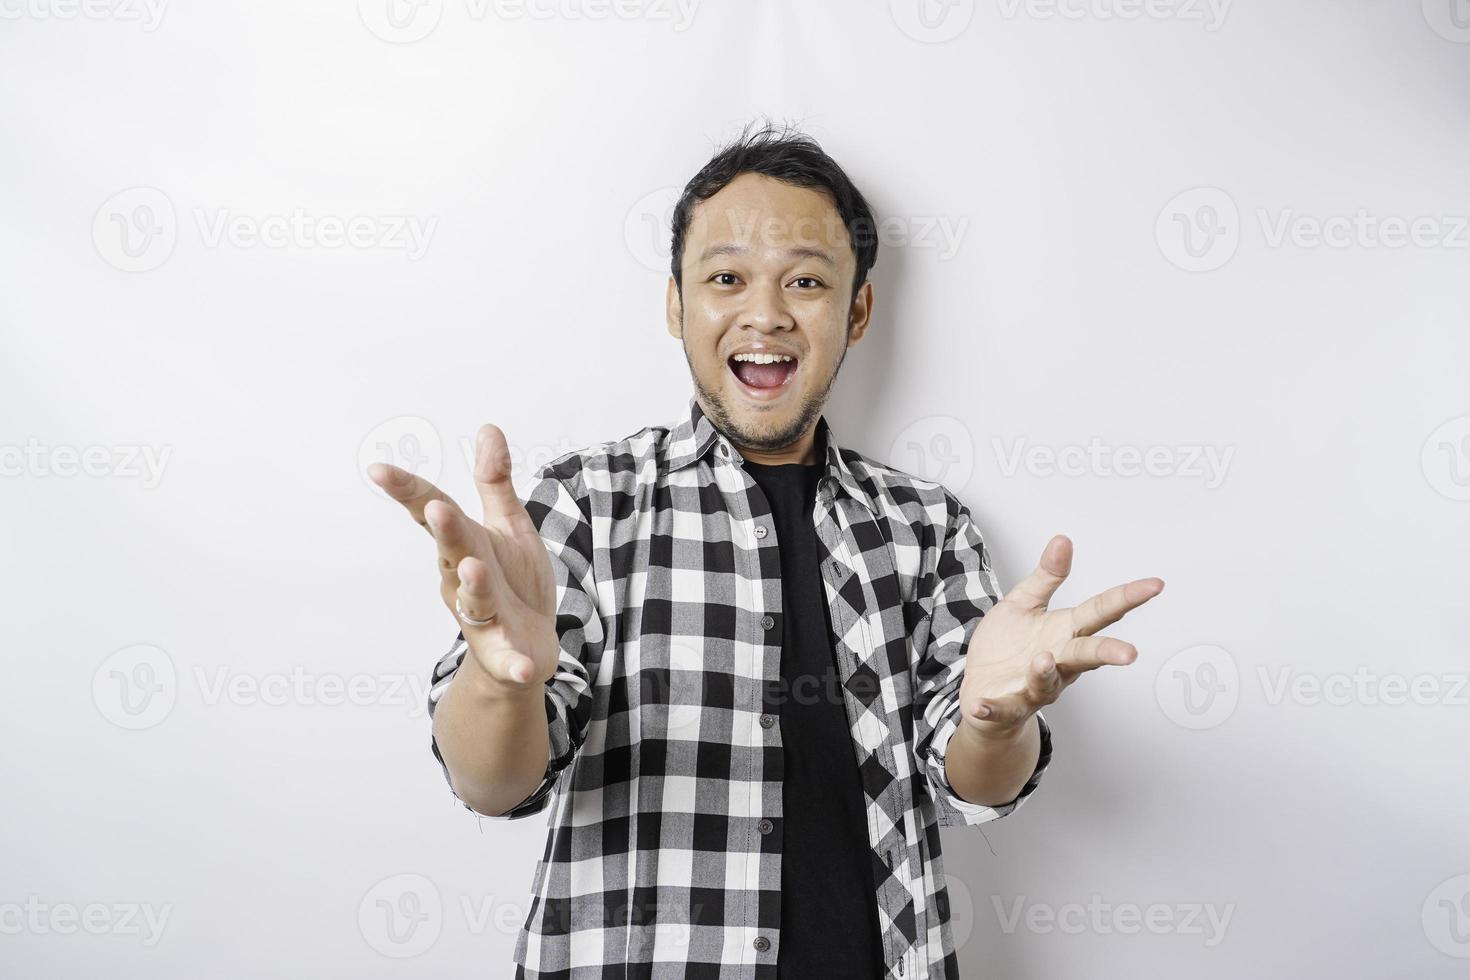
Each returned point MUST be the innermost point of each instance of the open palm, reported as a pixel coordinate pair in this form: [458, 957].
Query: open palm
[496, 569]
[1022, 655]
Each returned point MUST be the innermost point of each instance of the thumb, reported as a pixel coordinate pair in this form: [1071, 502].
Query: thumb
[503, 509]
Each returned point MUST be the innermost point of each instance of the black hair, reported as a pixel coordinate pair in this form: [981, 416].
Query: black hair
[786, 155]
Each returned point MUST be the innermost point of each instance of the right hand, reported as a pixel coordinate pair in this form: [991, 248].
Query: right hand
[497, 566]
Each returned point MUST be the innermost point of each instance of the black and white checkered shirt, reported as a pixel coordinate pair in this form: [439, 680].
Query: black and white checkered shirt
[663, 853]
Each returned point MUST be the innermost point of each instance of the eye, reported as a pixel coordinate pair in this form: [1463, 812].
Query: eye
[719, 278]
[815, 282]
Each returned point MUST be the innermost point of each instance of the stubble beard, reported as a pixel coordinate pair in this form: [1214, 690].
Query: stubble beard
[765, 442]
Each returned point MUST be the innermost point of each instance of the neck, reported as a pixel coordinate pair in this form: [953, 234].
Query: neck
[804, 450]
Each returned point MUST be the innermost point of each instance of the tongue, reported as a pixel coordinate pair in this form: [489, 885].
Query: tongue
[763, 375]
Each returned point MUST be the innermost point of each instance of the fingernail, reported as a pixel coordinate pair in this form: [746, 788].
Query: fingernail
[983, 711]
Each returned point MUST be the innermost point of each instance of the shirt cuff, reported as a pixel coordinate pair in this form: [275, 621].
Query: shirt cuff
[559, 757]
[953, 809]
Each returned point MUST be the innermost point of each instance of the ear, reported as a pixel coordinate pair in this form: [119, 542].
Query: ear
[860, 314]
[674, 310]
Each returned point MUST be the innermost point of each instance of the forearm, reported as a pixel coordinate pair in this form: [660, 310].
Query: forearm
[990, 770]
[493, 739]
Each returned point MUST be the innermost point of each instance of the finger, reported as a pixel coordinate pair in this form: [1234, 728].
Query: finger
[413, 492]
[455, 535]
[482, 594]
[503, 508]
[1043, 680]
[1091, 652]
[1106, 608]
[1036, 589]
[1002, 712]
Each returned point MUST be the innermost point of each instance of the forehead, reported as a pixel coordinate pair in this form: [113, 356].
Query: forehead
[767, 215]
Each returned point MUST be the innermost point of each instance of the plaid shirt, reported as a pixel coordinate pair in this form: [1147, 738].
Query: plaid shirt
[663, 852]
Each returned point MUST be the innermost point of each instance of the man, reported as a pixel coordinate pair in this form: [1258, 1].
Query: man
[754, 670]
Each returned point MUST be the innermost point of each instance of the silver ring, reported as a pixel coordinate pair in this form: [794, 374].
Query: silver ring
[469, 620]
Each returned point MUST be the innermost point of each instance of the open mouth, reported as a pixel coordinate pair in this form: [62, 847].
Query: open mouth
[763, 375]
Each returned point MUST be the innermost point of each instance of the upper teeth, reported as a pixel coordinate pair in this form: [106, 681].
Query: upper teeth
[763, 358]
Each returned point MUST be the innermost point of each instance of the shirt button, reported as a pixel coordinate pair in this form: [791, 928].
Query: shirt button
[760, 530]
[767, 622]
[767, 721]
[761, 944]
[765, 826]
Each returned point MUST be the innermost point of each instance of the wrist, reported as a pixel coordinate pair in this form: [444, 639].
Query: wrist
[485, 687]
[994, 734]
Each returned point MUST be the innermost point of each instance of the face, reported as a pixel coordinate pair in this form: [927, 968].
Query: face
[767, 312]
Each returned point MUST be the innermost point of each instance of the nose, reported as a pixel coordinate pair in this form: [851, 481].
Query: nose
[765, 309]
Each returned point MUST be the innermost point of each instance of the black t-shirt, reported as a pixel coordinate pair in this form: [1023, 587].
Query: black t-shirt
[829, 919]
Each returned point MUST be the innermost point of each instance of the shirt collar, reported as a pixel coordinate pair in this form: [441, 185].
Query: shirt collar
[695, 436]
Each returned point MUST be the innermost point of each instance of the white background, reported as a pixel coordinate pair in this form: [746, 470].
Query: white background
[1101, 228]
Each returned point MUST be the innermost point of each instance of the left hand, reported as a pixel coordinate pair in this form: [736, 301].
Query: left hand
[1023, 655]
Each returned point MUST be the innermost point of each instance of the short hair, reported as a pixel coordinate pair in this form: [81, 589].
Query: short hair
[786, 155]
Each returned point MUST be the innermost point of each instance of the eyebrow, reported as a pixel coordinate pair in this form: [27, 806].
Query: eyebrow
[794, 252]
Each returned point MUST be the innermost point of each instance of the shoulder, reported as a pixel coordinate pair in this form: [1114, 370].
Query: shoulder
[616, 466]
[902, 496]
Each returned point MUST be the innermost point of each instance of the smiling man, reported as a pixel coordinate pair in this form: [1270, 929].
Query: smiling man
[750, 671]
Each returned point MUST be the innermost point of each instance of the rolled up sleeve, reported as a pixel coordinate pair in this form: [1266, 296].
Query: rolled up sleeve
[560, 514]
[962, 590]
